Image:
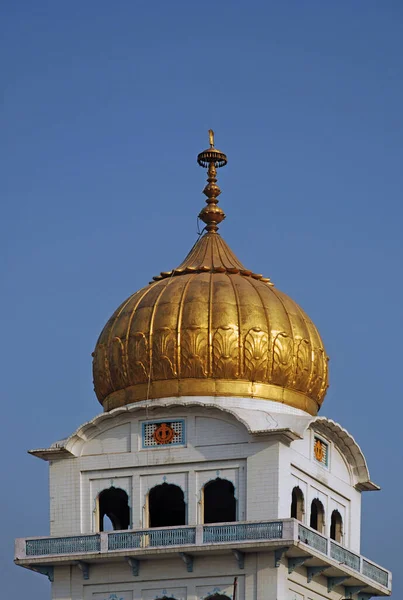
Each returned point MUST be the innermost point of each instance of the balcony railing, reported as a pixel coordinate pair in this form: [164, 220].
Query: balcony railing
[342, 555]
[313, 539]
[63, 545]
[287, 530]
[154, 538]
[375, 573]
[240, 532]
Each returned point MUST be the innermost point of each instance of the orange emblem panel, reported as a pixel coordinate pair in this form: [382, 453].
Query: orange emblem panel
[319, 451]
[164, 434]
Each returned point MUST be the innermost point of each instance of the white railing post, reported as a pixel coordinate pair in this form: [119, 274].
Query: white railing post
[20, 548]
[104, 542]
[289, 529]
[296, 530]
[199, 535]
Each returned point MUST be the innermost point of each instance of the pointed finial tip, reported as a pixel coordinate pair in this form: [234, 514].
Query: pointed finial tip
[211, 137]
[211, 159]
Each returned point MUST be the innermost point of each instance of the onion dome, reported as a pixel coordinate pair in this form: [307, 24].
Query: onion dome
[210, 327]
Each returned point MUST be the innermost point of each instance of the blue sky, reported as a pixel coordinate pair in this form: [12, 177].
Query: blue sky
[105, 106]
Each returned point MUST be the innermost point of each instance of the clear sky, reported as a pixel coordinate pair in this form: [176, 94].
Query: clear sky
[105, 106]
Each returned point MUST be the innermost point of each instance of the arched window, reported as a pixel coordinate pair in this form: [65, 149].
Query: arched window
[113, 509]
[218, 596]
[219, 502]
[297, 504]
[336, 526]
[317, 515]
[166, 506]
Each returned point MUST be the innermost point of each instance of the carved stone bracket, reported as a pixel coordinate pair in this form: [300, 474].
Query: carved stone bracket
[188, 560]
[134, 563]
[278, 555]
[84, 568]
[332, 582]
[296, 561]
[350, 590]
[312, 572]
[240, 557]
[46, 570]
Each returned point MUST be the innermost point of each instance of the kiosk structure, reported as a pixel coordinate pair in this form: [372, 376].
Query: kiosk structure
[209, 464]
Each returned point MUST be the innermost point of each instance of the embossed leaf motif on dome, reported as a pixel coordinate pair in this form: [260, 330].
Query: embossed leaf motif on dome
[163, 366]
[256, 353]
[118, 363]
[139, 367]
[319, 378]
[303, 364]
[282, 359]
[194, 352]
[102, 379]
[225, 352]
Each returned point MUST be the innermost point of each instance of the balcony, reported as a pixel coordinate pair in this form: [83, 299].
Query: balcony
[301, 545]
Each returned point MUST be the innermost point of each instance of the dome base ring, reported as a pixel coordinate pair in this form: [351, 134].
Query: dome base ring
[210, 387]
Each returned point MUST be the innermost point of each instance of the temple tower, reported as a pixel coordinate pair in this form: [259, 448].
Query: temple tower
[208, 474]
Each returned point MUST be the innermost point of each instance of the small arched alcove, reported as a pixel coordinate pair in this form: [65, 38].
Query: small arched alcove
[297, 504]
[113, 509]
[317, 520]
[336, 526]
[166, 506]
[219, 502]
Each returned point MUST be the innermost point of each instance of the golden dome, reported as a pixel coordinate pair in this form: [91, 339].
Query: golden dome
[210, 327]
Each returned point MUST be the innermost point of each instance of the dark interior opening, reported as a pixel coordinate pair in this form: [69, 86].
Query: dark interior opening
[219, 501]
[166, 506]
[297, 504]
[317, 515]
[336, 526]
[113, 509]
[218, 596]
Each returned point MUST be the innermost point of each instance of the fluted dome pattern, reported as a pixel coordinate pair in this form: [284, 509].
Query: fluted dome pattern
[210, 328]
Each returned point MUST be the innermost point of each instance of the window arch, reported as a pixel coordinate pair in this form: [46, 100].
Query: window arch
[166, 506]
[219, 502]
[336, 526]
[218, 596]
[113, 509]
[297, 504]
[317, 515]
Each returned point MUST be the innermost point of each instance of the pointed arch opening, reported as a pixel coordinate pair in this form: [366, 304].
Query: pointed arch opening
[113, 509]
[166, 506]
[336, 527]
[297, 504]
[317, 520]
[219, 502]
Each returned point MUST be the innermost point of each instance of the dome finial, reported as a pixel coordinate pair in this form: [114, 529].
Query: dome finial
[212, 159]
[211, 137]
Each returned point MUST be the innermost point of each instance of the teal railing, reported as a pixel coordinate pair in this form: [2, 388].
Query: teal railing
[344, 556]
[313, 539]
[211, 534]
[63, 545]
[375, 573]
[152, 538]
[238, 532]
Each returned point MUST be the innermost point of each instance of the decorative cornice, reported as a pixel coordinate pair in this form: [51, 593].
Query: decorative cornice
[259, 419]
